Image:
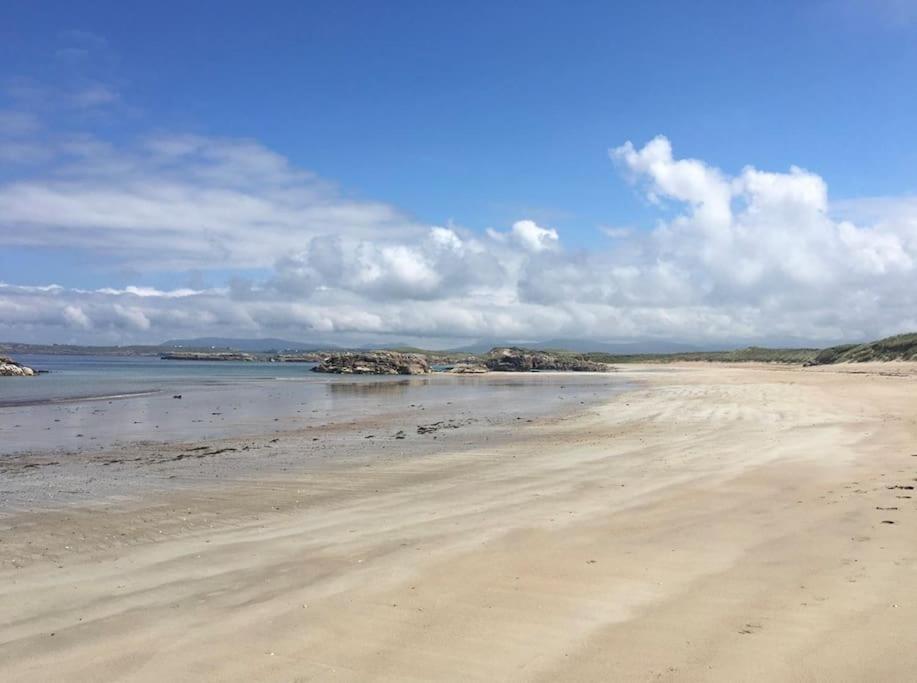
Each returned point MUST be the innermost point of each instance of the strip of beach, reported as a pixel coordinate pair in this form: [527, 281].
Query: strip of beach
[712, 522]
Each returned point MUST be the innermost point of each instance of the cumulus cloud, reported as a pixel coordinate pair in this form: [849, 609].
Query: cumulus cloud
[528, 235]
[439, 265]
[73, 315]
[754, 255]
[763, 235]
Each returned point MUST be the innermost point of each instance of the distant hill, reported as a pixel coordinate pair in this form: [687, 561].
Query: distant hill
[18, 348]
[247, 345]
[635, 347]
[648, 346]
[899, 347]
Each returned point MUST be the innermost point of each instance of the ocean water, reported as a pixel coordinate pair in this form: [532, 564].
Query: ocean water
[74, 377]
[96, 402]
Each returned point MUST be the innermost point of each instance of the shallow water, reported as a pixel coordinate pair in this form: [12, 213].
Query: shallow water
[92, 403]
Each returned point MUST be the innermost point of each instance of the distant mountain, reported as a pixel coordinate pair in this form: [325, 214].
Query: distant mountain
[584, 346]
[248, 345]
[642, 346]
[483, 346]
[17, 348]
[390, 346]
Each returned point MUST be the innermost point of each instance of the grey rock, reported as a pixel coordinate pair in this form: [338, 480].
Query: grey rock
[513, 359]
[374, 363]
[468, 369]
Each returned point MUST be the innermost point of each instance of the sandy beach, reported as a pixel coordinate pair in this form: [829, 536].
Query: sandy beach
[728, 523]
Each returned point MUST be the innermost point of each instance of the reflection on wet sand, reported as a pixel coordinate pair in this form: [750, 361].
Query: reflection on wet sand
[398, 386]
[217, 406]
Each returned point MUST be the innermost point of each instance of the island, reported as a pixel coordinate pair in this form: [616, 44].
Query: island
[206, 355]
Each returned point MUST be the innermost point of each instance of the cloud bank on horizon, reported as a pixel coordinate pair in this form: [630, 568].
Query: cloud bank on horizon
[757, 255]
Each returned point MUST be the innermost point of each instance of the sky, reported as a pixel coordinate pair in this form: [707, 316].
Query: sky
[711, 173]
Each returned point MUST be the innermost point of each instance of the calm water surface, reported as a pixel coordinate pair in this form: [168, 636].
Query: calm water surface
[89, 402]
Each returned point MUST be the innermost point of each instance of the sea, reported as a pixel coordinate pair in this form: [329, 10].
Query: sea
[96, 402]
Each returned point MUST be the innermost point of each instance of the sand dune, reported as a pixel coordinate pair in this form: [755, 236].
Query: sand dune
[716, 523]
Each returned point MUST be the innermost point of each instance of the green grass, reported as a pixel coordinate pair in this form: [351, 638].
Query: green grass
[899, 347]
[752, 354]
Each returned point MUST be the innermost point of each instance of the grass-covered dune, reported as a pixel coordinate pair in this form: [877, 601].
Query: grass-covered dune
[752, 354]
[899, 347]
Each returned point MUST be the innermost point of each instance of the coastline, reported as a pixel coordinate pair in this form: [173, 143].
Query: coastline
[711, 523]
[227, 431]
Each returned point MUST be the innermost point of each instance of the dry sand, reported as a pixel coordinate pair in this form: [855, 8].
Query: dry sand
[716, 523]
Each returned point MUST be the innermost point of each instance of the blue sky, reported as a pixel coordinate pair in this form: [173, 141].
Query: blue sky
[468, 116]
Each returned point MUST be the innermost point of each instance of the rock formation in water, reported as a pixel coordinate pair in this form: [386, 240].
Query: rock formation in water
[206, 355]
[10, 368]
[514, 359]
[374, 363]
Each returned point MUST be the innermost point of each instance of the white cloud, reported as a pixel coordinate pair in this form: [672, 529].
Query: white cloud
[615, 232]
[533, 237]
[179, 202]
[752, 256]
[690, 181]
[73, 315]
[439, 265]
[528, 235]
[94, 95]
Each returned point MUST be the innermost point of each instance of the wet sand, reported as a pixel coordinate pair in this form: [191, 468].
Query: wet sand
[714, 523]
[96, 449]
[218, 403]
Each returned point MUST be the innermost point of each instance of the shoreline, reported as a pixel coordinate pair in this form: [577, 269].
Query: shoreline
[48, 478]
[25, 403]
[712, 523]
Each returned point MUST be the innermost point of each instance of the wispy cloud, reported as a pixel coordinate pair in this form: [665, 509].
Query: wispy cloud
[17, 123]
[615, 232]
[94, 95]
[889, 14]
[86, 40]
[184, 202]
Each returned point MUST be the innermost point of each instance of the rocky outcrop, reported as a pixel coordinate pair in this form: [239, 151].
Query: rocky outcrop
[514, 359]
[468, 369]
[374, 363]
[308, 357]
[10, 368]
[206, 355]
